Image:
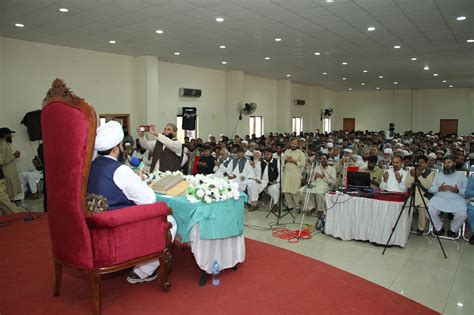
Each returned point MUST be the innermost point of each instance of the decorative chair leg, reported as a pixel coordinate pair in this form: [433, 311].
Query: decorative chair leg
[58, 272]
[94, 281]
[165, 269]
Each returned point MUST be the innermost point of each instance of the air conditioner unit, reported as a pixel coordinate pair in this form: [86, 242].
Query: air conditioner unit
[299, 102]
[184, 92]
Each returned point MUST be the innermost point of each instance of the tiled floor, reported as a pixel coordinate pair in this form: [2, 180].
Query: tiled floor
[418, 271]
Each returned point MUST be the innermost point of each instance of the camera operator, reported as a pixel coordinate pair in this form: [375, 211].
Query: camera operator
[425, 177]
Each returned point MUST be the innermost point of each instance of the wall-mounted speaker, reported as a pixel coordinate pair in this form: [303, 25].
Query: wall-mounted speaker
[299, 102]
[184, 92]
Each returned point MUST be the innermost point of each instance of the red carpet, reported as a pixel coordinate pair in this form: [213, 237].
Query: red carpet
[271, 281]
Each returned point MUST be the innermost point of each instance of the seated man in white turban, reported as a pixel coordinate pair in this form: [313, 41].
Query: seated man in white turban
[110, 178]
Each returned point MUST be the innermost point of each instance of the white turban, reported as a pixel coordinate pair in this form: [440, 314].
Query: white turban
[330, 145]
[348, 151]
[245, 142]
[432, 155]
[108, 136]
[388, 151]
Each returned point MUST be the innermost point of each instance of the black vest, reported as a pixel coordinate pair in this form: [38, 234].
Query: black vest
[169, 161]
[272, 169]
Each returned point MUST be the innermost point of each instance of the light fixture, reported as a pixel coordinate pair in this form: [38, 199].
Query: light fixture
[380, 76]
[377, 88]
[365, 71]
[329, 1]
[426, 67]
[267, 58]
[224, 62]
[19, 25]
[461, 18]
[397, 46]
[362, 83]
[350, 89]
[159, 31]
[371, 28]
[435, 74]
[219, 19]
[288, 75]
[112, 42]
[278, 39]
[468, 40]
[451, 86]
[317, 53]
[222, 46]
[177, 53]
[444, 81]
[460, 304]
[64, 10]
[344, 63]
[324, 73]
[344, 78]
[413, 59]
[395, 82]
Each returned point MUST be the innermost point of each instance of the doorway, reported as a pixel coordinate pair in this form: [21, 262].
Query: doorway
[348, 124]
[448, 126]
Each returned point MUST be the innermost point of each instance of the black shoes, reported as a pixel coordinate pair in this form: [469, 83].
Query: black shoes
[439, 233]
[471, 240]
[134, 278]
[452, 234]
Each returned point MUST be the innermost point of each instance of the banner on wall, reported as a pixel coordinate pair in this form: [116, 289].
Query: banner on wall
[189, 118]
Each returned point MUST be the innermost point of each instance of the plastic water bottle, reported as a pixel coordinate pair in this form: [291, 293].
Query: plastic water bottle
[215, 273]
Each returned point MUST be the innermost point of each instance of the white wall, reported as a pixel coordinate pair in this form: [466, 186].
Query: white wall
[263, 92]
[28, 69]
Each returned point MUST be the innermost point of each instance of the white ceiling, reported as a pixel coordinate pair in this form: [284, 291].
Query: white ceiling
[426, 29]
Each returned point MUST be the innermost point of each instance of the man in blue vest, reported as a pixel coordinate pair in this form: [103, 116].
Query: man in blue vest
[123, 188]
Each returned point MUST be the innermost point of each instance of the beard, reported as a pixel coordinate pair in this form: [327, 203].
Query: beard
[9, 139]
[169, 135]
[121, 157]
[449, 170]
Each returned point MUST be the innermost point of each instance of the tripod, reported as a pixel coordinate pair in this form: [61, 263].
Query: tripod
[414, 188]
[307, 192]
[279, 215]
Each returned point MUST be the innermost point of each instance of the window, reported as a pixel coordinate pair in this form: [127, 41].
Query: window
[256, 126]
[327, 125]
[297, 125]
[192, 134]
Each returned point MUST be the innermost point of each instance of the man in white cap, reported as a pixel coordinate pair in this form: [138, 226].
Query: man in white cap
[342, 164]
[433, 163]
[121, 186]
[394, 178]
[387, 158]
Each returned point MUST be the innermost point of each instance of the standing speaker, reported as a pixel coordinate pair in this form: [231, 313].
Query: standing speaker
[189, 118]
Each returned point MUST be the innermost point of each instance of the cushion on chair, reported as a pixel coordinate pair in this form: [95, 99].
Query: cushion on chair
[65, 132]
[128, 233]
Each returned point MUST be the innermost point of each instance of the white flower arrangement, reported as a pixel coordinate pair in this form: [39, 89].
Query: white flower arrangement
[156, 175]
[210, 188]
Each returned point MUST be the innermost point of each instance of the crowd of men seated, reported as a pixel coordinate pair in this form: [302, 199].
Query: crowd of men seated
[314, 163]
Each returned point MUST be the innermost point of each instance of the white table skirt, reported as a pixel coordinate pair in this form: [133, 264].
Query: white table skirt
[227, 251]
[356, 218]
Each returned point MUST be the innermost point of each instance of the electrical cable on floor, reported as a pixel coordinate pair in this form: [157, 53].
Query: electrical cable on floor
[293, 236]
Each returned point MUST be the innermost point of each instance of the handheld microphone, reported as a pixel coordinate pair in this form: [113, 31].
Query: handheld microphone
[136, 162]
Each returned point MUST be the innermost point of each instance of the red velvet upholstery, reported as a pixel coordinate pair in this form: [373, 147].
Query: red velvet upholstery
[107, 238]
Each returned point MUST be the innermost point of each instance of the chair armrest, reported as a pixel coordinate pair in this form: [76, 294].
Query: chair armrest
[113, 218]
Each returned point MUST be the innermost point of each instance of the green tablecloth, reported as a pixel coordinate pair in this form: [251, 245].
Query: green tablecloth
[221, 219]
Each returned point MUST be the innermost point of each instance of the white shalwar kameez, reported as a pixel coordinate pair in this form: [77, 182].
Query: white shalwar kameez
[254, 189]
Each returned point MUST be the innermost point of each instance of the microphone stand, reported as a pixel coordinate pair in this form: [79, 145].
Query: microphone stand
[279, 215]
[308, 187]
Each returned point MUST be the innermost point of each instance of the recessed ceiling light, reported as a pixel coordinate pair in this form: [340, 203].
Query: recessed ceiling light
[159, 31]
[222, 46]
[278, 39]
[317, 53]
[219, 19]
[288, 75]
[267, 58]
[224, 62]
[19, 25]
[371, 28]
[460, 304]
[469, 40]
[350, 89]
[324, 73]
[344, 78]
[177, 53]
[395, 82]
[344, 63]
[380, 76]
[329, 1]
[112, 42]
[461, 18]
[444, 81]
[64, 10]
[426, 67]
[365, 71]
[397, 46]
[451, 86]
[413, 59]
[435, 74]
[362, 83]
[377, 88]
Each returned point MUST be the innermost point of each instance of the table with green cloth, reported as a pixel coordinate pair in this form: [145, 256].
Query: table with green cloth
[214, 231]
